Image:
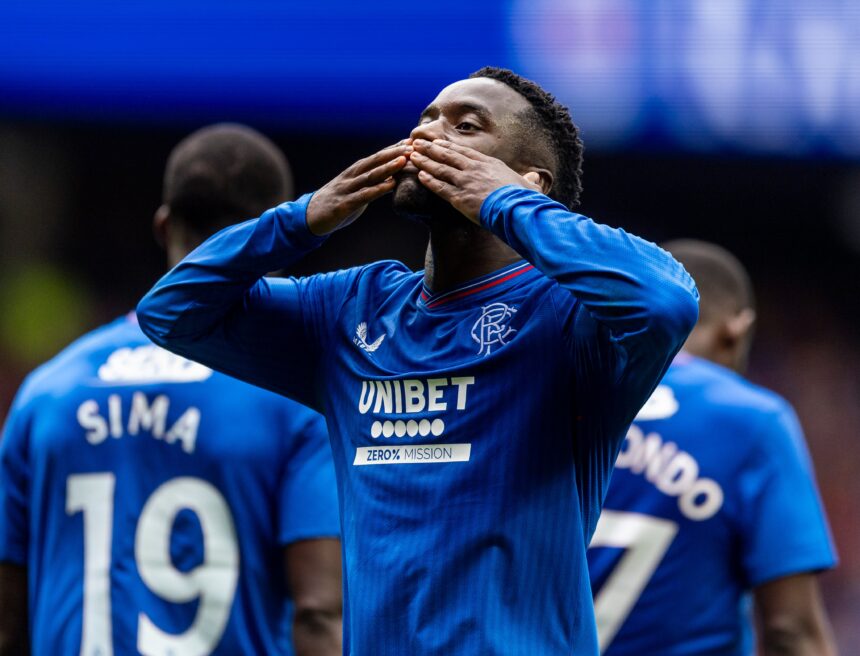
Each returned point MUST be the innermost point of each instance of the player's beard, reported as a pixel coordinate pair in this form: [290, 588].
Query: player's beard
[412, 200]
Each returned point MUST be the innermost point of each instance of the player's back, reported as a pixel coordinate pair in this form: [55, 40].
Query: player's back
[159, 500]
[712, 494]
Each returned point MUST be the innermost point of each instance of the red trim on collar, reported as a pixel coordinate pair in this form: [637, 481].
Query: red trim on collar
[475, 290]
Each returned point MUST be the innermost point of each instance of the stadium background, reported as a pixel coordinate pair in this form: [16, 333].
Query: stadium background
[736, 121]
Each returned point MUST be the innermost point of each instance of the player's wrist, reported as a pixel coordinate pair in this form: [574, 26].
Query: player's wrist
[317, 223]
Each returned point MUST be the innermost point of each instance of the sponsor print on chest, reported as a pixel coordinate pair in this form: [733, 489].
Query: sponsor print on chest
[402, 409]
[395, 412]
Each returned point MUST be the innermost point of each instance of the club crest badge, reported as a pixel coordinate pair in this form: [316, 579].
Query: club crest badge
[492, 329]
[360, 339]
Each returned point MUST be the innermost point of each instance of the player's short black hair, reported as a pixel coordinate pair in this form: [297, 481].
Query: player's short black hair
[549, 122]
[724, 284]
[223, 174]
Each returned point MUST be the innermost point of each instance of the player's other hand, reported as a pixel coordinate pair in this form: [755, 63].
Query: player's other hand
[463, 176]
[342, 200]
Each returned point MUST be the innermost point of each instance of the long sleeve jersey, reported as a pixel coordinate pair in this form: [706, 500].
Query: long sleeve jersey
[473, 431]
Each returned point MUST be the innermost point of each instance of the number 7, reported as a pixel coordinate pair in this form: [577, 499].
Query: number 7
[646, 540]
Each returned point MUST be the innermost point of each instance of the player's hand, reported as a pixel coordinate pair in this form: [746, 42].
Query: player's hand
[341, 201]
[463, 176]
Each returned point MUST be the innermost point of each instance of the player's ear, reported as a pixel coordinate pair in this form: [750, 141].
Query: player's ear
[161, 225]
[741, 324]
[541, 177]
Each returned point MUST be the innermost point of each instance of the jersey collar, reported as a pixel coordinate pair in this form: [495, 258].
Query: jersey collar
[474, 286]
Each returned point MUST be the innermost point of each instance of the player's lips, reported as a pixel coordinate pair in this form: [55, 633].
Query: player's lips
[410, 168]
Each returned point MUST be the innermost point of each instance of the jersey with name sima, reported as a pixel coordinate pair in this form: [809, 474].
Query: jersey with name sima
[150, 499]
[473, 431]
[713, 494]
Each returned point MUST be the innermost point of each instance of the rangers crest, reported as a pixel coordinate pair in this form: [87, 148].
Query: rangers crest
[492, 327]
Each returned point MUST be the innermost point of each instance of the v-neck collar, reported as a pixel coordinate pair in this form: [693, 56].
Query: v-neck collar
[475, 286]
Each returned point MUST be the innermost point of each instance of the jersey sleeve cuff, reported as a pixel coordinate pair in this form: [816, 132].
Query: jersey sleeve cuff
[295, 217]
[494, 205]
[809, 562]
[497, 208]
[14, 555]
[300, 535]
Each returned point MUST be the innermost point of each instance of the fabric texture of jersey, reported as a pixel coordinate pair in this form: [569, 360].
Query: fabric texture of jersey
[713, 494]
[473, 431]
[150, 499]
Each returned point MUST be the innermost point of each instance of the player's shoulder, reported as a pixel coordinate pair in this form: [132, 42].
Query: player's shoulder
[382, 275]
[381, 281]
[386, 273]
[719, 394]
[79, 360]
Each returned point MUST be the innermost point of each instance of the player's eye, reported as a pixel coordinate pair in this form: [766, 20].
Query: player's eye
[466, 126]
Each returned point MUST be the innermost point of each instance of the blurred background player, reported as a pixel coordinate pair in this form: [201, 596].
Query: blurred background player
[713, 496]
[149, 504]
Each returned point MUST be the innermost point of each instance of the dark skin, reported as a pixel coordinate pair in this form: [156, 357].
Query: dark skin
[313, 570]
[724, 338]
[792, 618]
[791, 615]
[13, 610]
[468, 143]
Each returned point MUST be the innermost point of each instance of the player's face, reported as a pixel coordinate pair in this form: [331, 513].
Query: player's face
[480, 113]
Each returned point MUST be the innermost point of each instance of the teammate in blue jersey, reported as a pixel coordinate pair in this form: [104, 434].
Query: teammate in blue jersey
[713, 496]
[149, 505]
[475, 409]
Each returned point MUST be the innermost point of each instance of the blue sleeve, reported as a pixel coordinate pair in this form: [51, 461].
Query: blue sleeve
[308, 492]
[15, 485]
[216, 306]
[625, 307]
[631, 304]
[784, 527]
[638, 291]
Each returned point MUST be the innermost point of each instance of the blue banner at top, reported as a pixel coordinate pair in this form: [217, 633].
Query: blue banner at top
[765, 76]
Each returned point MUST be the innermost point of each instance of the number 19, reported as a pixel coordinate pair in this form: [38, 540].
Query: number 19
[213, 581]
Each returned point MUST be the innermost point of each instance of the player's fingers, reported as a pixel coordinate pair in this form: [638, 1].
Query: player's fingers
[439, 187]
[438, 170]
[385, 155]
[440, 153]
[369, 194]
[376, 175]
[465, 151]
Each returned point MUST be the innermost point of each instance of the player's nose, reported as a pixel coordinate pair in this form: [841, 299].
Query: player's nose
[428, 130]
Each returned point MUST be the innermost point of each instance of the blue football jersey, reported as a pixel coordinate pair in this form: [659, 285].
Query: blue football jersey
[473, 430]
[150, 499]
[713, 494]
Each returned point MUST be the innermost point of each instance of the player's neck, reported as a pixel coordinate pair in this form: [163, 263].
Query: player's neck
[458, 254]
